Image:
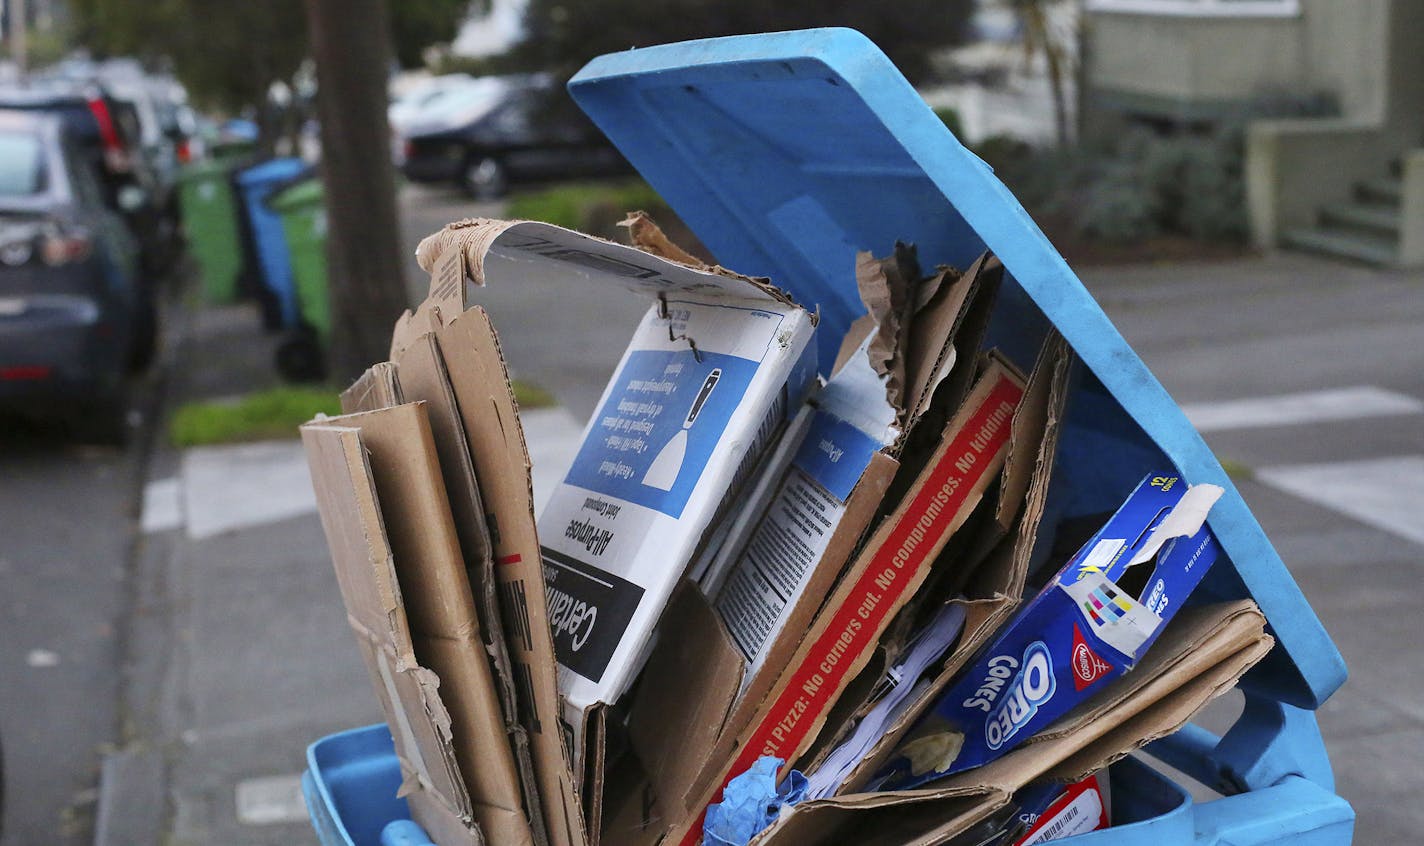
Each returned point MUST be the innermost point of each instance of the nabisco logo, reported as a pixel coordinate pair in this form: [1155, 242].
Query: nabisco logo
[1087, 666]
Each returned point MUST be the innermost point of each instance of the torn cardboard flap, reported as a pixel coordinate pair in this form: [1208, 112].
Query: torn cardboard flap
[423, 376]
[440, 610]
[480, 251]
[686, 693]
[489, 415]
[378, 387]
[356, 535]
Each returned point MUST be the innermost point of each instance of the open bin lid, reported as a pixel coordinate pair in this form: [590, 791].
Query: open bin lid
[788, 152]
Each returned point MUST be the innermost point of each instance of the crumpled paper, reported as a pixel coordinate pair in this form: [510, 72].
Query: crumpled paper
[751, 802]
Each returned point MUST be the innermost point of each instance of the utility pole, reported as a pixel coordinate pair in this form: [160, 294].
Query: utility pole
[350, 42]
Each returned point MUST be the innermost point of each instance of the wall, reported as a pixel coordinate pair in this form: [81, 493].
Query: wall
[1194, 67]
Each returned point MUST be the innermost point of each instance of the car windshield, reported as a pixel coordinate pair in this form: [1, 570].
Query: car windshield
[21, 164]
[463, 104]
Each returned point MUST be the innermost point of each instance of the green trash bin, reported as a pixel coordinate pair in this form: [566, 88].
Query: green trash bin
[211, 225]
[303, 211]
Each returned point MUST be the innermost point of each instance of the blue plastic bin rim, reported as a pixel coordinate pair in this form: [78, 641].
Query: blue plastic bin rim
[788, 152]
[272, 170]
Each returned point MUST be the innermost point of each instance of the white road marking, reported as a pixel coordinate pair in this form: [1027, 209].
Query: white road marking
[554, 437]
[1387, 493]
[42, 658]
[226, 488]
[234, 487]
[270, 800]
[1308, 407]
[162, 505]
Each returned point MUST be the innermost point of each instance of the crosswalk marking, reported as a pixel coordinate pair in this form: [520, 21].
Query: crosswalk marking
[1349, 403]
[270, 800]
[1387, 493]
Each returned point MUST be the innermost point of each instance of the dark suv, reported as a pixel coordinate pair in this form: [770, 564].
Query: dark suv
[527, 131]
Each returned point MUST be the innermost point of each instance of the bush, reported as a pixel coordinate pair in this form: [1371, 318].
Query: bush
[591, 207]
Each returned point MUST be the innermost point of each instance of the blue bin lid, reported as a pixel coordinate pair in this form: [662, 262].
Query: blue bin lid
[270, 171]
[788, 152]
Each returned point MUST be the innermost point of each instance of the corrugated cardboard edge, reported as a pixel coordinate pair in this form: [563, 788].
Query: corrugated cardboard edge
[423, 376]
[352, 520]
[468, 241]
[490, 415]
[378, 387]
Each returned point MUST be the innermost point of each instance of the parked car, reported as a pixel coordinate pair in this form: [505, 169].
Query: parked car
[108, 130]
[71, 306]
[507, 130]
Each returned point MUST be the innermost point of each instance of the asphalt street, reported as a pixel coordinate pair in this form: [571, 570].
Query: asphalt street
[66, 531]
[1306, 375]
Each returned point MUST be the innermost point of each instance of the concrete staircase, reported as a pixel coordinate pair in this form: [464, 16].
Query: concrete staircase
[1366, 229]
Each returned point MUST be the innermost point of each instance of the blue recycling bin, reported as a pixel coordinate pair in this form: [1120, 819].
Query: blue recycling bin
[255, 185]
[787, 153]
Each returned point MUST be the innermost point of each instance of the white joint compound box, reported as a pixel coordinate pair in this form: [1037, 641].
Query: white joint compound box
[703, 387]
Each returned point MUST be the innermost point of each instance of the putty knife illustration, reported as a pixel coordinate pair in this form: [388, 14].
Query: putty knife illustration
[662, 473]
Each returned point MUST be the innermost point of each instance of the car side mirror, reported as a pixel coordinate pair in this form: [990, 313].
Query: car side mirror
[131, 198]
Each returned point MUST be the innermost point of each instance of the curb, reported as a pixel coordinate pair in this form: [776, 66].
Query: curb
[133, 779]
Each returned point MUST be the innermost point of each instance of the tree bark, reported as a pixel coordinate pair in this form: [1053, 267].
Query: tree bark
[350, 42]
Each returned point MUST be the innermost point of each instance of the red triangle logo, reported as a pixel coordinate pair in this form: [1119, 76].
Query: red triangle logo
[1087, 666]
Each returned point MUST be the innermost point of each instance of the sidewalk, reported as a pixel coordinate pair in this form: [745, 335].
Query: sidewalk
[240, 654]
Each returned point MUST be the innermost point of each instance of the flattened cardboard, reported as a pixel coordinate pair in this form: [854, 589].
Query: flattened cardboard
[997, 583]
[440, 609]
[378, 387]
[423, 376]
[687, 690]
[885, 574]
[470, 350]
[408, 693]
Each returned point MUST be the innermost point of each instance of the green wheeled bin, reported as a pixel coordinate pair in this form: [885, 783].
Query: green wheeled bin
[302, 208]
[211, 225]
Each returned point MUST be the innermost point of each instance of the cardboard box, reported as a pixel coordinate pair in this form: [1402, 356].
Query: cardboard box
[1091, 624]
[705, 383]
[1200, 656]
[710, 373]
[383, 506]
[884, 576]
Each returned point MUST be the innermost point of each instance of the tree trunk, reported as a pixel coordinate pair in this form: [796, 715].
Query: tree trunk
[350, 43]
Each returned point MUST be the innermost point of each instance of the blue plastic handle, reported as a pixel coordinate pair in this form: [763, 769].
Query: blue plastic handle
[404, 833]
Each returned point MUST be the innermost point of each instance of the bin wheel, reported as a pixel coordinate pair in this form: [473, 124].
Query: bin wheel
[300, 358]
[144, 346]
[484, 178]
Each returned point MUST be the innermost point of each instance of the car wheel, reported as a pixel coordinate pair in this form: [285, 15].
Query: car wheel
[484, 178]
